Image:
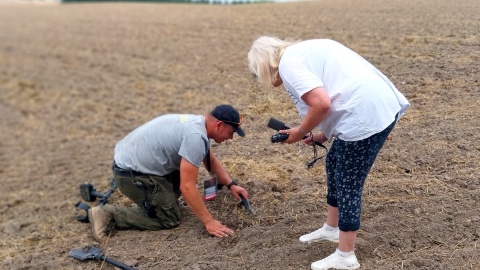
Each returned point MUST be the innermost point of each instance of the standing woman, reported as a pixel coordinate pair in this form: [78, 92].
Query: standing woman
[345, 97]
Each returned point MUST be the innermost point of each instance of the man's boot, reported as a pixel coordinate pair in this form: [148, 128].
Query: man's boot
[101, 221]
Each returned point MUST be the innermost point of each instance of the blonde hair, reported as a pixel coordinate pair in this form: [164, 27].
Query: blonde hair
[264, 57]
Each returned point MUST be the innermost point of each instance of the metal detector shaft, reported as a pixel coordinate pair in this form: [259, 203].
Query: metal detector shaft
[107, 194]
[88, 193]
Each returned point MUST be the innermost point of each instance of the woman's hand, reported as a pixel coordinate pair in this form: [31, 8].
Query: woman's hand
[318, 137]
[294, 135]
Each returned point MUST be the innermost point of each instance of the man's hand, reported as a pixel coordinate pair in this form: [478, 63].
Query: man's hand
[237, 190]
[217, 229]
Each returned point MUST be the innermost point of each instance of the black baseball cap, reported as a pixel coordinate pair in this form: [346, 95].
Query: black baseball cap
[229, 115]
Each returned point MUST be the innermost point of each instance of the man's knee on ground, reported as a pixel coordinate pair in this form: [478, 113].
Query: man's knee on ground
[169, 218]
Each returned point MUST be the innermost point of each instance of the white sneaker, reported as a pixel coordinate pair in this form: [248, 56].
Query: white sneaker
[337, 261]
[321, 234]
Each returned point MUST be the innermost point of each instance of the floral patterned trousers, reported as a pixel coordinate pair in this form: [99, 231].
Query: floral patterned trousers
[347, 166]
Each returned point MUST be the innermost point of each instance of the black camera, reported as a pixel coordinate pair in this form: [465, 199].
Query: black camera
[279, 137]
[278, 125]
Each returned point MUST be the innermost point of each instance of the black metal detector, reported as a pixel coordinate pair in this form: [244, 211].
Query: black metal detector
[93, 253]
[90, 194]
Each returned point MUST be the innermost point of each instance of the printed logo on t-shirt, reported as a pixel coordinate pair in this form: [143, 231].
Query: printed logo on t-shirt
[294, 98]
[184, 118]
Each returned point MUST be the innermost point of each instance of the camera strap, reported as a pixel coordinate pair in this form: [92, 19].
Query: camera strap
[208, 161]
[315, 152]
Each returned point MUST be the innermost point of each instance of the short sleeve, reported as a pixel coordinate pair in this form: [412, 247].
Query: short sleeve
[194, 148]
[299, 77]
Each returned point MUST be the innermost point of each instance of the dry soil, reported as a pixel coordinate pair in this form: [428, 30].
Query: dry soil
[76, 78]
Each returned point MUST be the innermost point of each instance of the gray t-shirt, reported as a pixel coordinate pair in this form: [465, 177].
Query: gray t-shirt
[157, 147]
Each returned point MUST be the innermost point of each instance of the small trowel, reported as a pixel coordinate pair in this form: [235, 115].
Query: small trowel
[247, 205]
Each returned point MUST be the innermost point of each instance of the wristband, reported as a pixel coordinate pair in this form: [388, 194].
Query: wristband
[231, 184]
